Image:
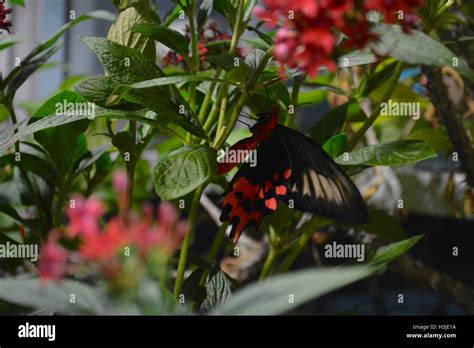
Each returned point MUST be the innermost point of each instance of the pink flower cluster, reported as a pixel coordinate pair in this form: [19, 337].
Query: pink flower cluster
[102, 245]
[307, 36]
[5, 23]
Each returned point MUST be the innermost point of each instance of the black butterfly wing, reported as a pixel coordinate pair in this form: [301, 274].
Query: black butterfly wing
[317, 184]
[254, 191]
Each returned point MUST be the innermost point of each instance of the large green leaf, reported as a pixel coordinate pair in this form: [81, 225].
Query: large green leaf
[281, 293]
[121, 30]
[417, 47]
[168, 37]
[65, 144]
[53, 296]
[183, 171]
[126, 66]
[395, 153]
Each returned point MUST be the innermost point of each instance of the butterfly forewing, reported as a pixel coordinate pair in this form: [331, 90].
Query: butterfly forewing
[317, 184]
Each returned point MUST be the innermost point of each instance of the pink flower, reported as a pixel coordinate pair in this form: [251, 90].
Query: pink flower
[101, 246]
[167, 233]
[307, 35]
[84, 216]
[53, 258]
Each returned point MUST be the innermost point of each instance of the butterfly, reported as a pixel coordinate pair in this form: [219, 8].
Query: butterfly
[290, 168]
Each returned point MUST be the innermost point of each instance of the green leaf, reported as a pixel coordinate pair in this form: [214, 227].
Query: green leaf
[65, 144]
[336, 145]
[8, 40]
[254, 58]
[228, 9]
[34, 164]
[227, 62]
[271, 297]
[217, 293]
[358, 57]
[11, 212]
[390, 252]
[171, 80]
[330, 124]
[324, 87]
[192, 290]
[18, 2]
[395, 153]
[126, 66]
[168, 37]
[93, 156]
[8, 136]
[183, 171]
[51, 295]
[96, 89]
[27, 68]
[417, 48]
[122, 32]
[123, 65]
[373, 81]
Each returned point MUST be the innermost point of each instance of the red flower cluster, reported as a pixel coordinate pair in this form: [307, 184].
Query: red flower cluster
[103, 246]
[5, 23]
[308, 34]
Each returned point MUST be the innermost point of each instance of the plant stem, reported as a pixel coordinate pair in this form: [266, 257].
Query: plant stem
[208, 97]
[37, 199]
[221, 102]
[305, 237]
[267, 267]
[376, 112]
[183, 257]
[132, 165]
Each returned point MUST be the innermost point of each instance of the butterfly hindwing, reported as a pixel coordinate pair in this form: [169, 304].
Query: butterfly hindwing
[255, 191]
[317, 184]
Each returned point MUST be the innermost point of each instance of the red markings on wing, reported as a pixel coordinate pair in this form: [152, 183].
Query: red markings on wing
[281, 190]
[247, 203]
[239, 207]
[271, 204]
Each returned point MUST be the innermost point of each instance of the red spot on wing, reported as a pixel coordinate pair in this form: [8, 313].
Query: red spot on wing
[287, 173]
[271, 203]
[281, 190]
